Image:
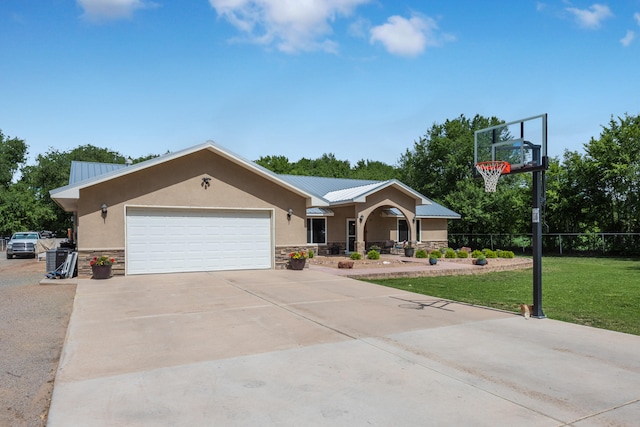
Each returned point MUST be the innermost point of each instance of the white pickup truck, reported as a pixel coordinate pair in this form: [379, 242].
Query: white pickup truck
[23, 244]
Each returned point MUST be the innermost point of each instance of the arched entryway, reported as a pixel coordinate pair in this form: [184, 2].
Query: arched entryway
[381, 225]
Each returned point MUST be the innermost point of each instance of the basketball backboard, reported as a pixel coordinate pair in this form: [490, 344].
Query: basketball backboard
[521, 143]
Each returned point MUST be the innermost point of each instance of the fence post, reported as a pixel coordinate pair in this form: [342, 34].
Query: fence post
[560, 242]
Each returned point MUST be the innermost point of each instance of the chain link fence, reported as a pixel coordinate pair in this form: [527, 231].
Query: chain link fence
[625, 244]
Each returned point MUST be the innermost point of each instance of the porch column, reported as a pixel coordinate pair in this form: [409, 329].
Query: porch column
[361, 220]
[413, 236]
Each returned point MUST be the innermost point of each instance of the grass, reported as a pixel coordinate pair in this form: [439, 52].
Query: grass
[599, 292]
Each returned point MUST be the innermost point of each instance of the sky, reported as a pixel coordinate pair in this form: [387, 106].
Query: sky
[362, 79]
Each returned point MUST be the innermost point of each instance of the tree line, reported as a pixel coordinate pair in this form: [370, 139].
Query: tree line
[590, 192]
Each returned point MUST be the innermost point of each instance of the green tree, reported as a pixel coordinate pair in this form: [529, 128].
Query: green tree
[20, 209]
[440, 166]
[13, 153]
[276, 164]
[443, 156]
[326, 166]
[613, 166]
[373, 170]
[52, 171]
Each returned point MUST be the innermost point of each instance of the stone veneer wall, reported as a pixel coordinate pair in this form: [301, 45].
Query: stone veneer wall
[282, 254]
[118, 269]
[428, 246]
[85, 257]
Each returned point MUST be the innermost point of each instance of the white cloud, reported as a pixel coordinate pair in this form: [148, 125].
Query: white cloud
[636, 16]
[592, 17]
[293, 26]
[628, 38]
[407, 37]
[100, 10]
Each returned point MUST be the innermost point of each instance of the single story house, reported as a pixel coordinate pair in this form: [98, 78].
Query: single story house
[205, 209]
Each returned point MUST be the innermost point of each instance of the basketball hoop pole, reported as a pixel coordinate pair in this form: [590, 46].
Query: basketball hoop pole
[536, 231]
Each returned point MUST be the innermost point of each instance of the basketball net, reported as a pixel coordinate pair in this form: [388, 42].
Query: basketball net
[491, 172]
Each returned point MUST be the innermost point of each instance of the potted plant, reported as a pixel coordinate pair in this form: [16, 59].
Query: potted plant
[481, 260]
[297, 260]
[408, 250]
[433, 257]
[101, 267]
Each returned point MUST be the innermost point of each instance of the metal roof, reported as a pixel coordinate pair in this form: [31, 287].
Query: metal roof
[87, 170]
[435, 210]
[348, 194]
[319, 212]
[320, 186]
[322, 191]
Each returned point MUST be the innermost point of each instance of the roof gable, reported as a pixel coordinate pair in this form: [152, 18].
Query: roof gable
[319, 191]
[67, 196]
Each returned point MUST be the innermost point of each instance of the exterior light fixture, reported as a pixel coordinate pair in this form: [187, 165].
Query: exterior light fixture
[289, 213]
[361, 218]
[103, 208]
[205, 182]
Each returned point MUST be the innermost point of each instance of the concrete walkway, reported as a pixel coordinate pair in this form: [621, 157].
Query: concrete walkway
[305, 348]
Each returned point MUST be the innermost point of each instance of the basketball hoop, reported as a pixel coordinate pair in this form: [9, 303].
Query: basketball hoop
[491, 172]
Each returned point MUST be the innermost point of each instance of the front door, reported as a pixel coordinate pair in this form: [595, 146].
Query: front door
[351, 235]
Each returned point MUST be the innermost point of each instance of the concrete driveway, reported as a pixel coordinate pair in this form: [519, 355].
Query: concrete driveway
[305, 348]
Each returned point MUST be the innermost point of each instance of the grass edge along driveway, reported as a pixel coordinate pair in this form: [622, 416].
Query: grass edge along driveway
[599, 292]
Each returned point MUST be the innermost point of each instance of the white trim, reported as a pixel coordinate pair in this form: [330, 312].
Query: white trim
[310, 230]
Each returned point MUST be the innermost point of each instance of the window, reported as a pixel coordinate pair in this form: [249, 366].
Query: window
[317, 230]
[403, 230]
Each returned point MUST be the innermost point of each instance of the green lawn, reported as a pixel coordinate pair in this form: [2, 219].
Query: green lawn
[599, 292]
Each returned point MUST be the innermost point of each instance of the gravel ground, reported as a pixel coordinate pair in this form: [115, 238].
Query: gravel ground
[33, 325]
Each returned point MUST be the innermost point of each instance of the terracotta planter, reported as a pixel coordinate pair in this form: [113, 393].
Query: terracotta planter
[101, 271]
[297, 264]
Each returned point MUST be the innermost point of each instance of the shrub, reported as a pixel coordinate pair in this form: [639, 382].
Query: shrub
[476, 253]
[373, 254]
[355, 255]
[435, 254]
[490, 254]
[463, 254]
[450, 253]
[375, 248]
[506, 254]
[421, 253]
[311, 254]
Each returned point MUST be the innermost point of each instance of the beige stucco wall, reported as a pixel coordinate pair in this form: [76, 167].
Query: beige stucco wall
[433, 229]
[178, 183]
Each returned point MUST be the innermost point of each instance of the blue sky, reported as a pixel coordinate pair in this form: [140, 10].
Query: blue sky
[362, 79]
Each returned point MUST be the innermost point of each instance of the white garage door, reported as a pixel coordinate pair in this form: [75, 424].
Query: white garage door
[168, 241]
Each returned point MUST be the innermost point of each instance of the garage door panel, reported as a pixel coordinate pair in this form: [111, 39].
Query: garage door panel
[161, 241]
